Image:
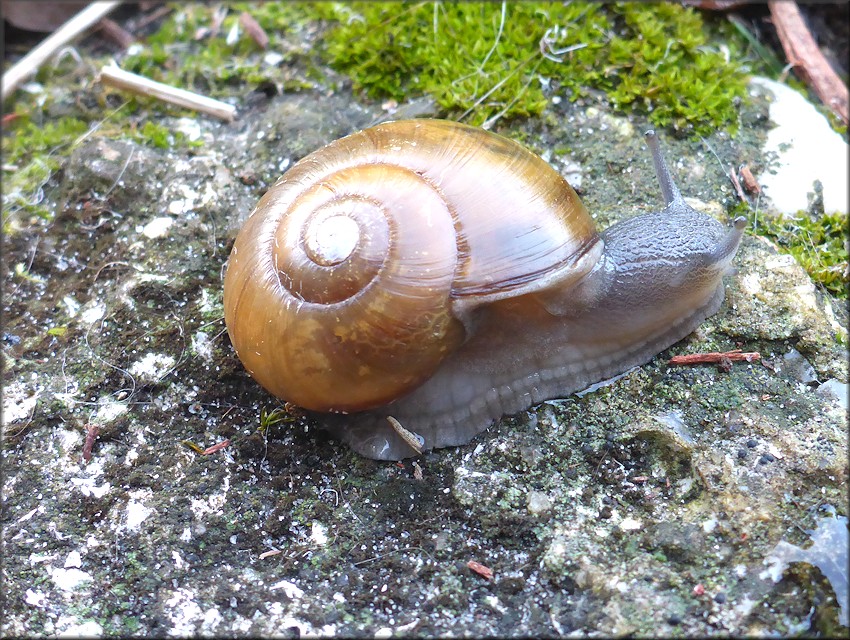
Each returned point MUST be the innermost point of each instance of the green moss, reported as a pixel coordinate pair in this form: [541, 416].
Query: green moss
[818, 243]
[186, 53]
[157, 135]
[471, 58]
[29, 138]
[651, 58]
[36, 148]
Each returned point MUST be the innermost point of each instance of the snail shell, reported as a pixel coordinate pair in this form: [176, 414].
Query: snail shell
[420, 270]
[354, 275]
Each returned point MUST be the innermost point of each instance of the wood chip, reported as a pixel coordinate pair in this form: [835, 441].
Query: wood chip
[480, 569]
[749, 180]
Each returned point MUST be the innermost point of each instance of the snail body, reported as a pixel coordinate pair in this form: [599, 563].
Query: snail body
[445, 276]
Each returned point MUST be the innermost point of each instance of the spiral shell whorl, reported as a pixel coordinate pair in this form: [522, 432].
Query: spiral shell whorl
[354, 278]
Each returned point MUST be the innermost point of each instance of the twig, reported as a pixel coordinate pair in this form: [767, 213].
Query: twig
[91, 435]
[216, 447]
[115, 32]
[152, 17]
[715, 357]
[413, 440]
[734, 178]
[804, 55]
[253, 28]
[115, 77]
[30, 63]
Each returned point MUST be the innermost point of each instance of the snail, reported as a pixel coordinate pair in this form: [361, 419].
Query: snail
[413, 282]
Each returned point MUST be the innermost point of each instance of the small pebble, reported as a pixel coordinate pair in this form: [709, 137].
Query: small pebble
[538, 502]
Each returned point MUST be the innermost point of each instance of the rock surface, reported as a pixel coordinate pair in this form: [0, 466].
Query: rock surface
[804, 150]
[649, 506]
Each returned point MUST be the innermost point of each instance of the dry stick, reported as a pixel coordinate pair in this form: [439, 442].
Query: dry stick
[91, 434]
[115, 77]
[216, 447]
[115, 32]
[30, 63]
[715, 357]
[803, 53]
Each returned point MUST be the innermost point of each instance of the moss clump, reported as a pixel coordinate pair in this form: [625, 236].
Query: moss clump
[482, 60]
[654, 58]
[818, 244]
[187, 53]
[36, 148]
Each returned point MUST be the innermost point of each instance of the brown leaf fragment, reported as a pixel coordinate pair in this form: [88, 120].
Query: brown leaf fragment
[749, 180]
[253, 28]
[480, 569]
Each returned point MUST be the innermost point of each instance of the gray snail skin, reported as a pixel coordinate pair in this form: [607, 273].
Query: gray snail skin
[444, 276]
